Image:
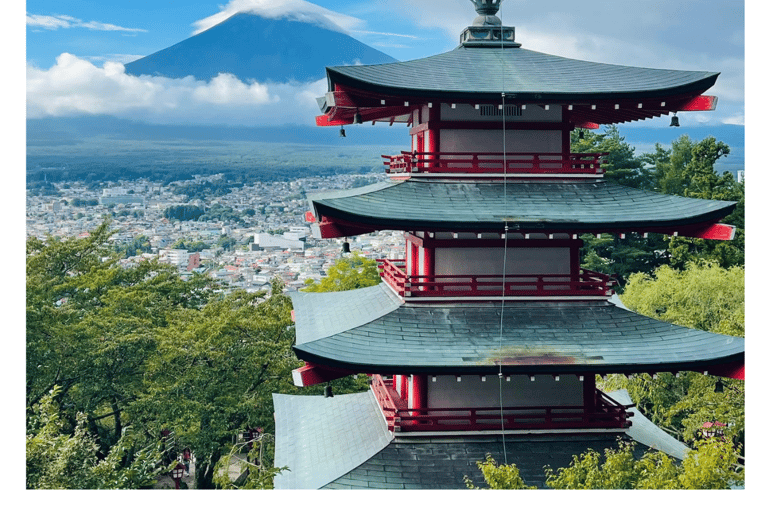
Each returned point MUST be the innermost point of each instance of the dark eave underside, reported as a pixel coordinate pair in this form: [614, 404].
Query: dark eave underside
[537, 337]
[573, 206]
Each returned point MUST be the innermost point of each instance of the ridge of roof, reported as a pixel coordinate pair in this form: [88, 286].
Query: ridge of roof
[522, 71]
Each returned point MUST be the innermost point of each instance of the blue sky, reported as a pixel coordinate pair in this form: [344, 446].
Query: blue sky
[75, 49]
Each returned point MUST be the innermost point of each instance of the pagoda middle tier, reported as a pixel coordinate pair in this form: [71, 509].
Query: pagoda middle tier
[579, 206]
[372, 330]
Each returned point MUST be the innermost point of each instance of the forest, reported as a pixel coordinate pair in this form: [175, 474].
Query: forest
[125, 367]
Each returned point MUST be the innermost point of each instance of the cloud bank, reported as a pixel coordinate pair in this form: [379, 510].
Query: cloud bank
[57, 21]
[74, 86]
[296, 10]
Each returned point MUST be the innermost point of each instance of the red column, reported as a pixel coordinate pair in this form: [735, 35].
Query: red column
[429, 265]
[419, 392]
[433, 145]
[413, 256]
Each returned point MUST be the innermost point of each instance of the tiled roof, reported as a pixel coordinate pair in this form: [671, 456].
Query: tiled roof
[594, 336]
[316, 441]
[435, 463]
[430, 204]
[342, 443]
[519, 71]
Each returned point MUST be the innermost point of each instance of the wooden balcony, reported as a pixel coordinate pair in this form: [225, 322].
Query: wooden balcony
[588, 284]
[480, 165]
[607, 414]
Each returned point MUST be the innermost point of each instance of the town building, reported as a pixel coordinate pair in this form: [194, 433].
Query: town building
[488, 335]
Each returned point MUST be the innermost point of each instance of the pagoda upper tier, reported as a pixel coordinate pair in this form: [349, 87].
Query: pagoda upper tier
[589, 93]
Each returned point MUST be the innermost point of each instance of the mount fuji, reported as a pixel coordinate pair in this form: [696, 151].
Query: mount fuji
[254, 48]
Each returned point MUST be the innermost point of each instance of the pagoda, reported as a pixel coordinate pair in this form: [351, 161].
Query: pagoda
[488, 335]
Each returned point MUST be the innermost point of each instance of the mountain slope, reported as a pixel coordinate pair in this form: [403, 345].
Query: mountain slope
[256, 48]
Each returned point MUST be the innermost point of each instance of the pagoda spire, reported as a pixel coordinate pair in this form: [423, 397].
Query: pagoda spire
[486, 29]
[486, 10]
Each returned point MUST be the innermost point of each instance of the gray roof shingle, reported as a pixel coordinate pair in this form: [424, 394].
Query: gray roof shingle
[454, 206]
[321, 453]
[518, 71]
[315, 441]
[594, 336]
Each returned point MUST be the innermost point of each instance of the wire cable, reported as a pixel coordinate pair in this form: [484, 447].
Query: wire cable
[506, 227]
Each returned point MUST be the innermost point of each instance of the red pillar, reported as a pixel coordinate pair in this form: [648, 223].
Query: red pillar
[413, 259]
[419, 392]
[402, 385]
[433, 144]
[429, 266]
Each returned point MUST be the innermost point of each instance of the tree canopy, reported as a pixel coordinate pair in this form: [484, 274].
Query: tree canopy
[348, 273]
[686, 169]
[702, 296]
[711, 465]
[137, 349]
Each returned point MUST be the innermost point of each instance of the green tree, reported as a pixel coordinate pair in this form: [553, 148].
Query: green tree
[702, 296]
[138, 245]
[688, 169]
[498, 476]
[58, 460]
[348, 273]
[91, 326]
[705, 297]
[140, 350]
[214, 373]
[621, 164]
[711, 465]
[190, 245]
[183, 212]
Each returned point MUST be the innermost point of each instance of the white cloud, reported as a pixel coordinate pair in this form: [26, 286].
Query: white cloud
[74, 86]
[57, 21]
[298, 10]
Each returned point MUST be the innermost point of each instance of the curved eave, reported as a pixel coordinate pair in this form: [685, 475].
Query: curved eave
[538, 338]
[588, 206]
[479, 75]
[522, 74]
[680, 93]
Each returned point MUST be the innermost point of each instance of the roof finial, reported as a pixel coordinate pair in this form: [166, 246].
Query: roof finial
[487, 9]
[486, 30]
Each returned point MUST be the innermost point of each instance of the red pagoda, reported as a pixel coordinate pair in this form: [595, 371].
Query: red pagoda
[488, 335]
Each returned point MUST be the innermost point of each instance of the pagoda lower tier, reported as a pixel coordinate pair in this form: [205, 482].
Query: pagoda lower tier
[372, 330]
[315, 441]
[579, 206]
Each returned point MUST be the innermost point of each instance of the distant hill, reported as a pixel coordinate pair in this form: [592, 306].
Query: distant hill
[255, 48]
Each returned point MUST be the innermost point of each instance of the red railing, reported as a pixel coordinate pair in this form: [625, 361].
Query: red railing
[493, 163]
[588, 283]
[607, 413]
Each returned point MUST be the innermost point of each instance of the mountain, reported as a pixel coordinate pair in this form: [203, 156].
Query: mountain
[255, 48]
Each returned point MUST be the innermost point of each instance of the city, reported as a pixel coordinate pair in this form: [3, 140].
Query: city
[271, 211]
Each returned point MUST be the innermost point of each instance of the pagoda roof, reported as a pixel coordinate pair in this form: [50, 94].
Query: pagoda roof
[583, 205]
[595, 93]
[313, 437]
[343, 443]
[522, 74]
[455, 338]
